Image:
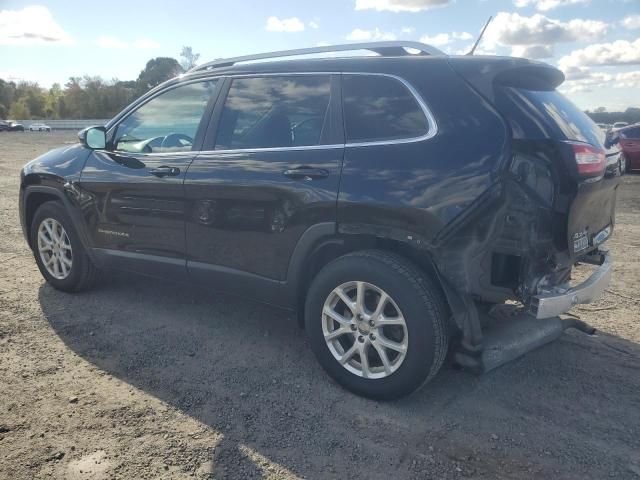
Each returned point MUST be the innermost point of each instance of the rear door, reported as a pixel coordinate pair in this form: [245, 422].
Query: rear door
[134, 193]
[270, 173]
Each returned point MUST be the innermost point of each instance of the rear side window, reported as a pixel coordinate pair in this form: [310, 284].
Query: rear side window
[380, 108]
[274, 111]
[551, 114]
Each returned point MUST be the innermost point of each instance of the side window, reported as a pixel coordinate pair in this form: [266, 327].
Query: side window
[379, 108]
[267, 112]
[166, 123]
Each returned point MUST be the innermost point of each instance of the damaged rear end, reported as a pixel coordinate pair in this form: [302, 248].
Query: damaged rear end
[553, 203]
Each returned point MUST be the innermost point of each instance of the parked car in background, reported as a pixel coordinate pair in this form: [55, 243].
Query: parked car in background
[11, 126]
[39, 127]
[629, 138]
[604, 126]
[618, 125]
[339, 188]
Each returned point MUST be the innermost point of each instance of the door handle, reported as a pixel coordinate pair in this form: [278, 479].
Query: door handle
[165, 171]
[306, 173]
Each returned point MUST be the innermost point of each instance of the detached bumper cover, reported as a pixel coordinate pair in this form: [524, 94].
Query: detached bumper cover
[552, 304]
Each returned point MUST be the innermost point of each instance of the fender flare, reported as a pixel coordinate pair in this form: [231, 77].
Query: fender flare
[70, 208]
[312, 238]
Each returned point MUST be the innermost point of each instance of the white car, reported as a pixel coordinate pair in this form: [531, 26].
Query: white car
[39, 127]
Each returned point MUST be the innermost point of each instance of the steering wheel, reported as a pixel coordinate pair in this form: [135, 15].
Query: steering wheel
[173, 140]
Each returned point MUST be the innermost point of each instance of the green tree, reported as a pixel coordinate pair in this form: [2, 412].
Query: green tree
[19, 109]
[189, 59]
[7, 96]
[156, 71]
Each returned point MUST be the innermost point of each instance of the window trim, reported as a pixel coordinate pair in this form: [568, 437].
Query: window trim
[221, 95]
[431, 132]
[211, 137]
[431, 121]
[205, 119]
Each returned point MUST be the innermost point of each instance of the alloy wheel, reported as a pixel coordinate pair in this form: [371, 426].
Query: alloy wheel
[55, 248]
[364, 329]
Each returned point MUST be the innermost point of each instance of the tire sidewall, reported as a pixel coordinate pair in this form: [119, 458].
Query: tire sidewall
[420, 355]
[56, 211]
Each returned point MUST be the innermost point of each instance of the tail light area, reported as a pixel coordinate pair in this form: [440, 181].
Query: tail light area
[591, 161]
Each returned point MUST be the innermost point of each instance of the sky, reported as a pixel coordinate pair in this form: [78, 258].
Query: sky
[595, 42]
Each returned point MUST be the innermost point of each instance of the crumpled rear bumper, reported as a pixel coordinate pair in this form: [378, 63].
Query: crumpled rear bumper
[552, 304]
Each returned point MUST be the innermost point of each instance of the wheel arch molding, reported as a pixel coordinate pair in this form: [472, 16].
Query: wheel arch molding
[33, 196]
[322, 243]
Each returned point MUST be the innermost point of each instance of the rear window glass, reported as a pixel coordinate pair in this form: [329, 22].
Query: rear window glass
[379, 108]
[551, 114]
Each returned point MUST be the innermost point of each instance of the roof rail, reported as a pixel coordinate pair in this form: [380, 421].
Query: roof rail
[388, 49]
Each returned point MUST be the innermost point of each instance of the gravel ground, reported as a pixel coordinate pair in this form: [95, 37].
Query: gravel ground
[141, 378]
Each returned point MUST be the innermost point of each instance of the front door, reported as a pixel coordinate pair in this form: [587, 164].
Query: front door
[133, 191]
[272, 172]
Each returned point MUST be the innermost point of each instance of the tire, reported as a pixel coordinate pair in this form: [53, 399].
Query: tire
[414, 297]
[81, 272]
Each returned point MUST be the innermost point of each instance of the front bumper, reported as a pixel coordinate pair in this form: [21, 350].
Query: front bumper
[555, 303]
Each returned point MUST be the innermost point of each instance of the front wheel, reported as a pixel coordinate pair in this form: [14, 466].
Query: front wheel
[376, 324]
[58, 251]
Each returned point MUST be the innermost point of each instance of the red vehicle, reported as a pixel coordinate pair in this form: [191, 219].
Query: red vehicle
[630, 144]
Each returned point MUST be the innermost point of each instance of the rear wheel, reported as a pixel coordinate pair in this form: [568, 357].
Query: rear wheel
[58, 251]
[376, 324]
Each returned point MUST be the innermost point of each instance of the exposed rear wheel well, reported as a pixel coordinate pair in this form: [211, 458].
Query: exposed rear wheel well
[333, 248]
[34, 201]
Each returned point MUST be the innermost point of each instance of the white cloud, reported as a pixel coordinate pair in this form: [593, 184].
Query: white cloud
[293, 24]
[111, 42]
[586, 81]
[400, 5]
[445, 38]
[462, 36]
[620, 52]
[437, 40]
[631, 22]
[532, 51]
[146, 44]
[314, 25]
[628, 80]
[513, 29]
[407, 30]
[31, 26]
[545, 5]
[360, 35]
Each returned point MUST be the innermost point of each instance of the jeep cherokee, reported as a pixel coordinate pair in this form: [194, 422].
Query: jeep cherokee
[389, 200]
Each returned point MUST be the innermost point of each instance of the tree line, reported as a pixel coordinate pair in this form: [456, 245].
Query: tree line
[630, 115]
[88, 96]
[93, 97]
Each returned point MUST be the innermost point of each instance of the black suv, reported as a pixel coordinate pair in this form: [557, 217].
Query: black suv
[10, 126]
[391, 200]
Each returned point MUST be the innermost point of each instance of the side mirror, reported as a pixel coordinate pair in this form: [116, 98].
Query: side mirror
[94, 138]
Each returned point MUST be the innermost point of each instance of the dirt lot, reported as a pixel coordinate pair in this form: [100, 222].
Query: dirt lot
[141, 378]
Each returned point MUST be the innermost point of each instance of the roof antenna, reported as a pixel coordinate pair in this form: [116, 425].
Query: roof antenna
[480, 36]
